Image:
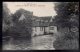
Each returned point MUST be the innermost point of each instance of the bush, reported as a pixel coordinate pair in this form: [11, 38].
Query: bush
[67, 41]
[61, 44]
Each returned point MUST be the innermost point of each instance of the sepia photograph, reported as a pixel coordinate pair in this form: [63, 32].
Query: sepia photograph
[40, 26]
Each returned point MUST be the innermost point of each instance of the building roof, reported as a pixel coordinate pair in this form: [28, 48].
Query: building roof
[41, 21]
[22, 17]
[25, 15]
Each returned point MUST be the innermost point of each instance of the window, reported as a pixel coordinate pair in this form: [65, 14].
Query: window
[51, 28]
[41, 28]
[35, 29]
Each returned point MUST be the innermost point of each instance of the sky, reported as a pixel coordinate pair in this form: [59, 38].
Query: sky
[38, 8]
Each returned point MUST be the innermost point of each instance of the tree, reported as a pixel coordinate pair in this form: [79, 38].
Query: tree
[67, 18]
[22, 27]
[67, 14]
[7, 20]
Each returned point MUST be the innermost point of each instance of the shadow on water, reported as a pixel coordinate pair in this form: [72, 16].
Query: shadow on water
[17, 43]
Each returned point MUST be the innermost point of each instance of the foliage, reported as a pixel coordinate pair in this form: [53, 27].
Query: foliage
[7, 20]
[67, 18]
[65, 12]
[22, 28]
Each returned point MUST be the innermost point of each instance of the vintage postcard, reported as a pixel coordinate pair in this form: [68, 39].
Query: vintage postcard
[40, 26]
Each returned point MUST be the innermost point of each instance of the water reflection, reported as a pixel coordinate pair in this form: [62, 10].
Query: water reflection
[17, 44]
[34, 43]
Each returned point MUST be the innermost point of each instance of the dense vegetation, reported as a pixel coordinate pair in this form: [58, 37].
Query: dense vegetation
[7, 20]
[67, 21]
[14, 27]
[22, 27]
